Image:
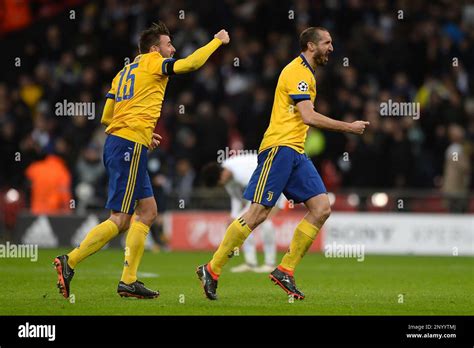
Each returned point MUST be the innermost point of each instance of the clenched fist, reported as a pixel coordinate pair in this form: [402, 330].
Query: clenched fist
[358, 127]
[155, 141]
[223, 35]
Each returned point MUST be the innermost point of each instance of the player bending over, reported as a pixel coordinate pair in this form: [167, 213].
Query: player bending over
[132, 109]
[283, 166]
[234, 174]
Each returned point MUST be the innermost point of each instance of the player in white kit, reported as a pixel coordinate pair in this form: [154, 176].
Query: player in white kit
[234, 174]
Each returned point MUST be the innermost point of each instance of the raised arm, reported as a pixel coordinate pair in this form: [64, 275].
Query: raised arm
[197, 59]
[315, 119]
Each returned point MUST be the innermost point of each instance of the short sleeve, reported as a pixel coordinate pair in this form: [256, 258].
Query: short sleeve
[297, 83]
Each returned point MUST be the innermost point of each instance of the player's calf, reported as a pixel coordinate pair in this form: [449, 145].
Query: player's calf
[256, 214]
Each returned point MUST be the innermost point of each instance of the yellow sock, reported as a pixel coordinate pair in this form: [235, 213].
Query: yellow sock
[236, 234]
[304, 235]
[94, 241]
[135, 245]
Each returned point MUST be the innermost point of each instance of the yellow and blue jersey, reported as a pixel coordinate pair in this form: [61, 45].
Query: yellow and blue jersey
[131, 112]
[283, 167]
[296, 83]
[138, 91]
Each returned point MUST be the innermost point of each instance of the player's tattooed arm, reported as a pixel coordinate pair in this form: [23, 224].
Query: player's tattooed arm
[317, 120]
[197, 59]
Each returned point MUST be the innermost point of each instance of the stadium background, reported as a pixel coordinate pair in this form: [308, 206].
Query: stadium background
[72, 50]
[404, 188]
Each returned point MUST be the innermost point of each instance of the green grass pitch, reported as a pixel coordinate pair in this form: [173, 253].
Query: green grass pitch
[425, 286]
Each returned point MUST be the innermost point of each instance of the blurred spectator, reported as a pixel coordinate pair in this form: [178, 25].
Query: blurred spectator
[15, 15]
[457, 170]
[90, 172]
[426, 58]
[50, 185]
[183, 181]
[162, 187]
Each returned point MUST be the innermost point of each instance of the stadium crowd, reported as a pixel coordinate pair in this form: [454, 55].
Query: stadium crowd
[403, 51]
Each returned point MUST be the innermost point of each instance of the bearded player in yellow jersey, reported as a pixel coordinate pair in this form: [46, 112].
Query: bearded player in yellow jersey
[132, 109]
[284, 168]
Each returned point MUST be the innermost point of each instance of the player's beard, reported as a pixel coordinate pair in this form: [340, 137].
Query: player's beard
[321, 58]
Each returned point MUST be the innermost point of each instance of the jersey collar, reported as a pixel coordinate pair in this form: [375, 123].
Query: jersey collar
[137, 58]
[305, 62]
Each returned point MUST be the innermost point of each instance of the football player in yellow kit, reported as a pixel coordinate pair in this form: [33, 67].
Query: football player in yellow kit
[132, 109]
[284, 168]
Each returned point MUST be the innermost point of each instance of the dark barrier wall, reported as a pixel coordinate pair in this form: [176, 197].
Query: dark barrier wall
[56, 231]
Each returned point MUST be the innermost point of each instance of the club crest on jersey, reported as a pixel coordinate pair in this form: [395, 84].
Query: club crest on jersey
[302, 86]
[270, 196]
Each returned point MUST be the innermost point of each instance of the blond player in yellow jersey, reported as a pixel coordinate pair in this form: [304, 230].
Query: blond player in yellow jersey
[284, 168]
[132, 109]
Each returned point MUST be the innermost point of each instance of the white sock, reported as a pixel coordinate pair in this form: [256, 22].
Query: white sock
[250, 250]
[269, 242]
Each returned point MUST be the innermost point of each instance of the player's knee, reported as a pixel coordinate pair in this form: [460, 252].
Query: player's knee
[147, 211]
[326, 212]
[254, 222]
[122, 221]
[260, 217]
[147, 216]
[152, 215]
[255, 217]
[321, 213]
